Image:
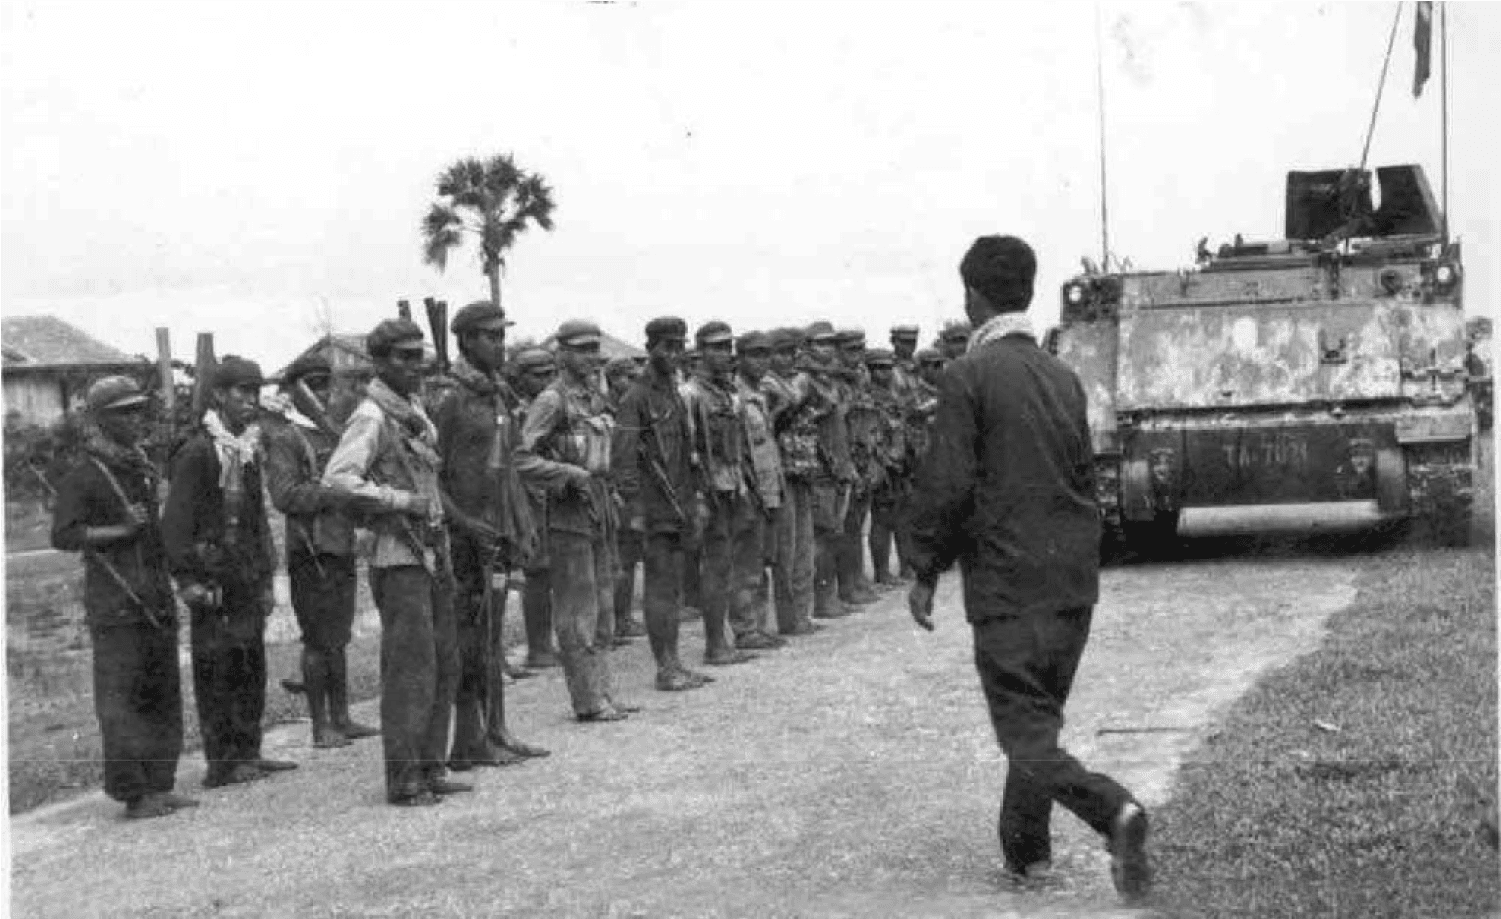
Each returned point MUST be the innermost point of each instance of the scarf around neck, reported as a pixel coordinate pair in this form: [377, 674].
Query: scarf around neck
[417, 429]
[998, 327]
[235, 452]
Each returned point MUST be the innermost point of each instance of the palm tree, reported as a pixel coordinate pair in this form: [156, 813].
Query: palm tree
[493, 199]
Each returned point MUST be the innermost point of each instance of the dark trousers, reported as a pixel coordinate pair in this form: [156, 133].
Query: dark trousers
[583, 599]
[792, 566]
[693, 580]
[1027, 666]
[850, 554]
[886, 528]
[418, 673]
[731, 561]
[536, 610]
[479, 697]
[629, 552]
[138, 698]
[324, 590]
[828, 531]
[662, 595]
[229, 677]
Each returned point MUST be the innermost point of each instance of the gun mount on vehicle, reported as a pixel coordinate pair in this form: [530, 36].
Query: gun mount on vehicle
[1330, 366]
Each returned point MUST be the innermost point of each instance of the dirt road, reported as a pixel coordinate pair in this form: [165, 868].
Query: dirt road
[853, 773]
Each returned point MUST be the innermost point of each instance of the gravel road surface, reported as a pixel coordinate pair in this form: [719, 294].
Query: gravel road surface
[853, 773]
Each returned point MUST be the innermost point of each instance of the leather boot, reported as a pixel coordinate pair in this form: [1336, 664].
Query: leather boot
[338, 697]
[315, 673]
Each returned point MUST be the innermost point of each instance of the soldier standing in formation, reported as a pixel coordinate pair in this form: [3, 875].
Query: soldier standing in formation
[787, 390]
[536, 368]
[319, 547]
[819, 438]
[565, 448]
[763, 468]
[862, 424]
[653, 467]
[953, 339]
[891, 466]
[221, 554]
[490, 529]
[620, 375]
[107, 509]
[731, 540]
[389, 454]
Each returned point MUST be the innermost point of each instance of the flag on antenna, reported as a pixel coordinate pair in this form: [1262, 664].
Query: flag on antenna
[1422, 41]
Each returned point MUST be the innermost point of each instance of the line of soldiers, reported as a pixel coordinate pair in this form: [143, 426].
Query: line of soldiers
[740, 481]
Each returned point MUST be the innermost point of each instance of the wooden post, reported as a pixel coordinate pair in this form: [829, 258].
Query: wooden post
[164, 370]
[403, 309]
[203, 371]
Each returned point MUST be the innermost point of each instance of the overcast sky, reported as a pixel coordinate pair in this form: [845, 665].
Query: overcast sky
[244, 168]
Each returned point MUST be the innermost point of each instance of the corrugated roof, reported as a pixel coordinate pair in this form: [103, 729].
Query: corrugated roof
[46, 341]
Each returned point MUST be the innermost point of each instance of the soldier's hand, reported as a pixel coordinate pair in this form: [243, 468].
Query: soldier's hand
[136, 516]
[197, 595]
[418, 505]
[920, 604]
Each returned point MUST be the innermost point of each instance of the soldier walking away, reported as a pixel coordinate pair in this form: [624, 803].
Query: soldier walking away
[763, 465]
[319, 546]
[889, 464]
[565, 449]
[389, 454]
[731, 550]
[1007, 491]
[863, 425]
[786, 390]
[107, 509]
[220, 551]
[653, 469]
[490, 530]
[620, 375]
[535, 370]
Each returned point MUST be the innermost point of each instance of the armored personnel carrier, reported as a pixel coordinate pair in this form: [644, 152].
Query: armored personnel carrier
[1325, 371]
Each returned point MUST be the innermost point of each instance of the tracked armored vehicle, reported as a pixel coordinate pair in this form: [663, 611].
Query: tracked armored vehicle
[1325, 371]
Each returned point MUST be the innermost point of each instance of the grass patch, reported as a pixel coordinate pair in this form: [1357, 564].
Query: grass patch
[54, 734]
[1354, 782]
[54, 749]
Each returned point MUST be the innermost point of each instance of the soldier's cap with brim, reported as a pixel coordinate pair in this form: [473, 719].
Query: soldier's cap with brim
[305, 367]
[114, 394]
[237, 371]
[879, 357]
[821, 331]
[394, 335]
[904, 332]
[713, 333]
[753, 343]
[535, 359]
[786, 339]
[578, 333]
[954, 331]
[847, 337]
[477, 316]
[620, 365]
[666, 327]
[928, 356]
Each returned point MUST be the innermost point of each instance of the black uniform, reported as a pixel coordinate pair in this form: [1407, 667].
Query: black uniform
[1007, 490]
[222, 541]
[137, 685]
